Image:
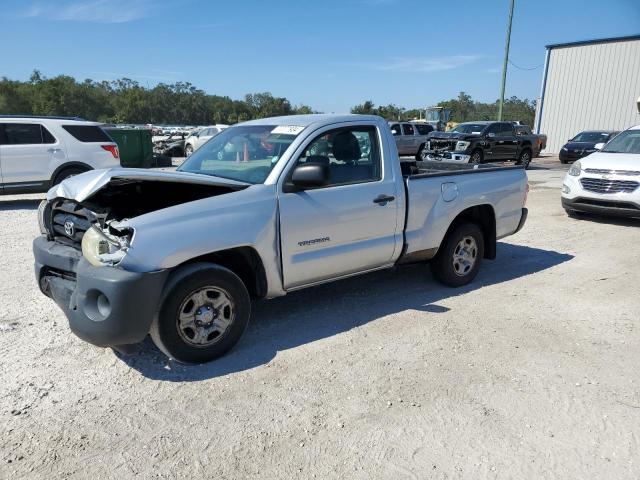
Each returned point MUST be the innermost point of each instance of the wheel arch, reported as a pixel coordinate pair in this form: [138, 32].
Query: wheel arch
[245, 262]
[484, 216]
[67, 166]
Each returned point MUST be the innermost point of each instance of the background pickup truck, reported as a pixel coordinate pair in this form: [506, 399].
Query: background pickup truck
[479, 142]
[538, 140]
[304, 200]
[411, 137]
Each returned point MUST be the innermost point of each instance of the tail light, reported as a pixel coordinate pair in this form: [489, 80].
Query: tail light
[113, 149]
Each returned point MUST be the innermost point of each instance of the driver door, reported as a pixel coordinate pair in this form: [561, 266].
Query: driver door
[343, 227]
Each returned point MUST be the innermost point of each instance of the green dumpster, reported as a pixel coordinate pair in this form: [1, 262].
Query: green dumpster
[136, 148]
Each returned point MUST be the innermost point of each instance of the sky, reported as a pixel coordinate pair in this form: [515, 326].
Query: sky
[329, 54]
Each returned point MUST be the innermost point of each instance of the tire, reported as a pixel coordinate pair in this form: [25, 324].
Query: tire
[206, 331]
[188, 150]
[476, 157]
[451, 266]
[419, 154]
[67, 173]
[563, 161]
[524, 159]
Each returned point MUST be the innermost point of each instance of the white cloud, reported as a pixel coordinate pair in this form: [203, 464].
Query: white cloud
[96, 11]
[423, 64]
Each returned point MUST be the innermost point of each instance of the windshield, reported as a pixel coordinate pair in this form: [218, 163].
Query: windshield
[244, 153]
[625, 142]
[476, 128]
[593, 137]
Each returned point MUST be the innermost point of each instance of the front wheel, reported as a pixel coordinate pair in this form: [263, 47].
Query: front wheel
[188, 150]
[420, 153]
[460, 255]
[476, 157]
[203, 315]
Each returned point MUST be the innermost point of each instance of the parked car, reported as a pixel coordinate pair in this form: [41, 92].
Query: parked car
[607, 181]
[584, 144]
[538, 140]
[411, 137]
[180, 254]
[479, 142]
[38, 152]
[197, 139]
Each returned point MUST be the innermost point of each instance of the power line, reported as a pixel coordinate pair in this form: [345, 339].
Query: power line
[525, 68]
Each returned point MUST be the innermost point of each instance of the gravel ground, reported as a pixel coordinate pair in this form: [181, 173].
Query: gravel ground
[530, 372]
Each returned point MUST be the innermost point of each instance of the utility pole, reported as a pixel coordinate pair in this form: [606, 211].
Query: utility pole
[506, 60]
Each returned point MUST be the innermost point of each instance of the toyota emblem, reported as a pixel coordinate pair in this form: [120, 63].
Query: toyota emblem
[69, 228]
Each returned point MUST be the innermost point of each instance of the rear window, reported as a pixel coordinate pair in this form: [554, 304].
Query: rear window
[87, 133]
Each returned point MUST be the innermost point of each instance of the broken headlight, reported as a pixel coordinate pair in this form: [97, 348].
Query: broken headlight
[101, 248]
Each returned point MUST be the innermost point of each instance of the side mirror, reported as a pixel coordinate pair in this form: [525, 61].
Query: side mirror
[395, 132]
[599, 146]
[311, 175]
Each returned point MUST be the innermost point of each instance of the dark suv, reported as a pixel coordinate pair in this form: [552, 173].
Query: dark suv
[479, 142]
[583, 144]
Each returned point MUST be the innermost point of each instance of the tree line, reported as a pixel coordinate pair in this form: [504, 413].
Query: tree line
[126, 101]
[463, 109]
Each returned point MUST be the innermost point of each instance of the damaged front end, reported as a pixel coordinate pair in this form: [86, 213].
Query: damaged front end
[85, 238]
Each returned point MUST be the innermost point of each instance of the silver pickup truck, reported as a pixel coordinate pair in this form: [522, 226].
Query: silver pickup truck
[264, 208]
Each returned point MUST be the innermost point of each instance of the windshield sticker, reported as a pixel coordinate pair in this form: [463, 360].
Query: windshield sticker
[288, 129]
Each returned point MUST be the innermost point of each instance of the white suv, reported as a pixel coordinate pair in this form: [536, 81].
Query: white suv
[607, 181]
[38, 152]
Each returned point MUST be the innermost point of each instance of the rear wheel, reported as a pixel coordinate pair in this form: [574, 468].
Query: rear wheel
[524, 159]
[460, 255]
[476, 157]
[203, 316]
[188, 150]
[419, 154]
[68, 173]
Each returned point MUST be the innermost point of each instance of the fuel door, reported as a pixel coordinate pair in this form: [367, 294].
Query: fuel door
[449, 191]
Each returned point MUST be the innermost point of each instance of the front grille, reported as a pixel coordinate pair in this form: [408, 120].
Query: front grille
[615, 172]
[442, 144]
[601, 185]
[69, 222]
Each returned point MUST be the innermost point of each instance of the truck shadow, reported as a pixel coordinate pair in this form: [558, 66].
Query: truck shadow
[327, 310]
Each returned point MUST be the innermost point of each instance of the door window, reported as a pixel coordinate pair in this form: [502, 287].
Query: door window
[506, 130]
[25, 134]
[423, 128]
[407, 129]
[88, 133]
[352, 154]
[494, 128]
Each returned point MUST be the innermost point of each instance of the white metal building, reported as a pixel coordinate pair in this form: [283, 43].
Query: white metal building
[589, 85]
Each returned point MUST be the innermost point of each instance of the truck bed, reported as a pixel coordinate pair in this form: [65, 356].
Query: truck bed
[419, 169]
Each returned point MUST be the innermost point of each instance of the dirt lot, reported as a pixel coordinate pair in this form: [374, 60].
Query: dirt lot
[531, 372]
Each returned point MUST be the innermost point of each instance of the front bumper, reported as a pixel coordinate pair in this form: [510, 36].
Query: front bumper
[106, 306]
[452, 156]
[602, 207]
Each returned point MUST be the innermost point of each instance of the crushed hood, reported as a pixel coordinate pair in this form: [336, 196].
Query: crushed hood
[81, 187]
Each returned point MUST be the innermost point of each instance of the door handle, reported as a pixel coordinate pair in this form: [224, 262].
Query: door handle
[53, 150]
[383, 199]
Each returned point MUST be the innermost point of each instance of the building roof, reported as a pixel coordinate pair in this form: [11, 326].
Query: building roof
[594, 41]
